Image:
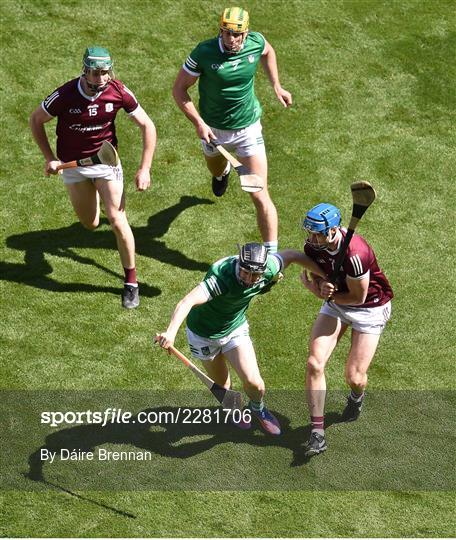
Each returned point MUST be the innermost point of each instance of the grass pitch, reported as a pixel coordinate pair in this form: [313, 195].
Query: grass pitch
[373, 89]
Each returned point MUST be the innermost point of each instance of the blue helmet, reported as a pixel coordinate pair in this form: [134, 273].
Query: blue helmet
[321, 218]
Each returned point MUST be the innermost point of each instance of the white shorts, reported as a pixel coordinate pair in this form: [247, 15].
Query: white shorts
[365, 320]
[246, 142]
[92, 172]
[208, 349]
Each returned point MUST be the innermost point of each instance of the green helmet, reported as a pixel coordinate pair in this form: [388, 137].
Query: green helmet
[96, 57]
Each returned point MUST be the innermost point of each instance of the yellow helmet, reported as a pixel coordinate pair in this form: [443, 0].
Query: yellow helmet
[234, 19]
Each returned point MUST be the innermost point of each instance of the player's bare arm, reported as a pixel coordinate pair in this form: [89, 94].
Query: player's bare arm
[314, 284]
[299, 257]
[183, 100]
[195, 297]
[357, 292]
[37, 120]
[269, 63]
[149, 137]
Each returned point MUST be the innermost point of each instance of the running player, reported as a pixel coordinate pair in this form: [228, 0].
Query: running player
[229, 111]
[86, 108]
[217, 328]
[361, 298]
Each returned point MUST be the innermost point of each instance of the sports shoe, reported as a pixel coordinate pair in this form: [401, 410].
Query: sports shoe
[219, 186]
[352, 410]
[267, 420]
[240, 423]
[316, 445]
[130, 297]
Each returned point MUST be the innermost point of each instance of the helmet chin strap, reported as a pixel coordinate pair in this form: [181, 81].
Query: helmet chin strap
[95, 87]
[330, 238]
[238, 275]
[240, 280]
[233, 51]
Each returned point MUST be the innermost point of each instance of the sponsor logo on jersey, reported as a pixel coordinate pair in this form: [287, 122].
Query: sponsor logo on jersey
[109, 107]
[75, 111]
[84, 129]
[251, 58]
[216, 67]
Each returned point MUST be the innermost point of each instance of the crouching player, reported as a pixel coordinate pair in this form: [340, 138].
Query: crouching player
[361, 298]
[217, 328]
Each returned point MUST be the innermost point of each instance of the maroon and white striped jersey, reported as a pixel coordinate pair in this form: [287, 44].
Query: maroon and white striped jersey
[360, 261]
[84, 122]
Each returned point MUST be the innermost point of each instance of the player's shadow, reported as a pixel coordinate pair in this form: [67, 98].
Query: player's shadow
[164, 439]
[37, 271]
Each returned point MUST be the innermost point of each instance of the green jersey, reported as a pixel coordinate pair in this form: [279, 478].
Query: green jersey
[226, 82]
[228, 299]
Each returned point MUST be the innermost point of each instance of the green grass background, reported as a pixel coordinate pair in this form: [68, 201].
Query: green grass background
[374, 98]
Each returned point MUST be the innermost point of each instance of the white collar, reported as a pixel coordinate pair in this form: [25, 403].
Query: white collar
[222, 49]
[83, 94]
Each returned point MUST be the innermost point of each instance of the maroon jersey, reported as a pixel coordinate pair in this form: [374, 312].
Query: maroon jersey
[84, 122]
[359, 262]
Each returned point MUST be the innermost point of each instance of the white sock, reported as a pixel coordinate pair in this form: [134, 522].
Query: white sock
[272, 247]
[355, 397]
[226, 171]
